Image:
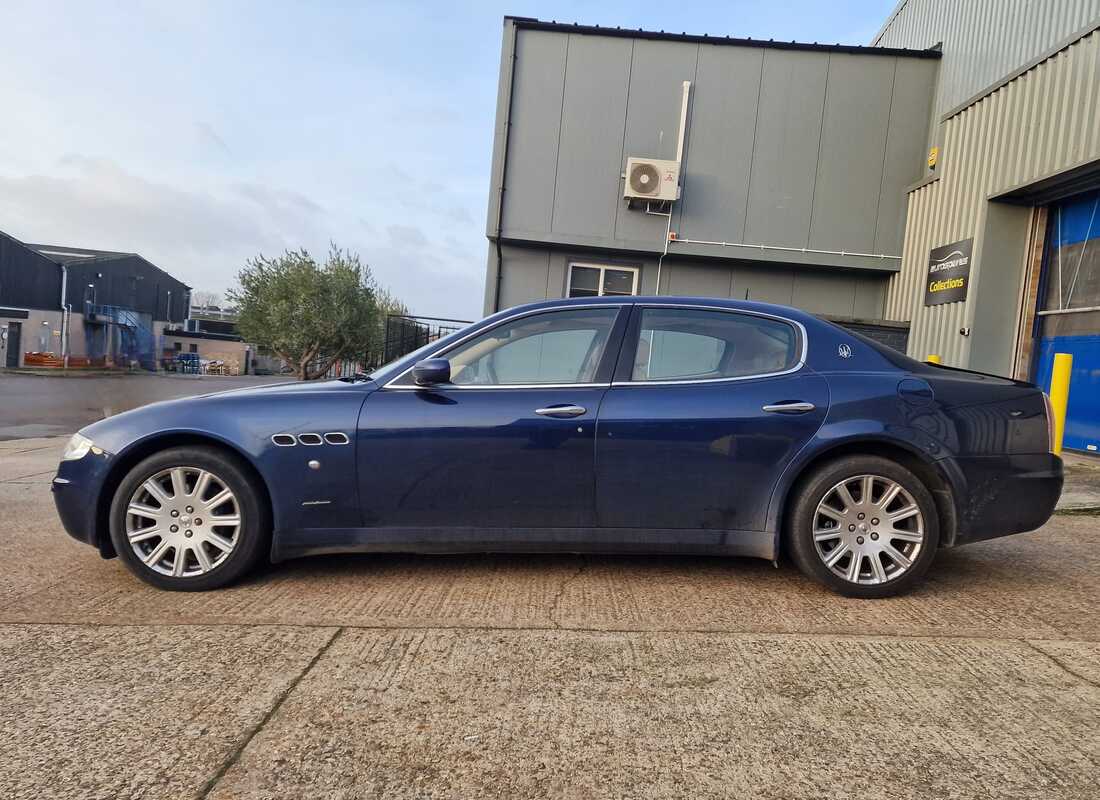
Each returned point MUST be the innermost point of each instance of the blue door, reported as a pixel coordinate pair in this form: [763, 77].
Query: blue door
[1068, 318]
[508, 443]
[707, 408]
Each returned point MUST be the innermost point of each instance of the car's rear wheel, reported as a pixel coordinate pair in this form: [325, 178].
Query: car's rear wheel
[189, 518]
[865, 526]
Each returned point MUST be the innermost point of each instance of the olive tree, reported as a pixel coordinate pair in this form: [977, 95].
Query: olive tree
[310, 314]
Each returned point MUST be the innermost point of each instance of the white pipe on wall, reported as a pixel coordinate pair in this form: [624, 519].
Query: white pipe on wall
[683, 122]
[786, 249]
[64, 317]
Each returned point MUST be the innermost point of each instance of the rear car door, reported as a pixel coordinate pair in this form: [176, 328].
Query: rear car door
[707, 407]
[508, 443]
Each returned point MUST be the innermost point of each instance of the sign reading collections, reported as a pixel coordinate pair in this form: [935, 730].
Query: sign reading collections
[948, 273]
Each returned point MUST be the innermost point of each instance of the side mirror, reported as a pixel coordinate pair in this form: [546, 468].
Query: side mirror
[431, 371]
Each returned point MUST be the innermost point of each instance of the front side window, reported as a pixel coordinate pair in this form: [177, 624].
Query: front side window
[595, 280]
[547, 348]
[693, 344]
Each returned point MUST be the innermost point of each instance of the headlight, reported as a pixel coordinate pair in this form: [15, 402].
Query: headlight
[78, 447]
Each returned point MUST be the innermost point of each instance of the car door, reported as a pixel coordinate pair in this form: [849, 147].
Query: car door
[707, 407]
[508, 442]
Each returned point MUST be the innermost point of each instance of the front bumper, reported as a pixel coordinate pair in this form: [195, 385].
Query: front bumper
[1006, 494]
[77, 489]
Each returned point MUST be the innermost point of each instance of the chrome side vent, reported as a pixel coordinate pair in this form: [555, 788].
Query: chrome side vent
[283, 440]
[309, 439]
[336, 437]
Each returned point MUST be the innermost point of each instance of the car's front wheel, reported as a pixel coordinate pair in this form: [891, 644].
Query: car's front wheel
[189, 518]
[865, 526]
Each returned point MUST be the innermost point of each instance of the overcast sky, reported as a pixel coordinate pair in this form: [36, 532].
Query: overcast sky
[201, 133]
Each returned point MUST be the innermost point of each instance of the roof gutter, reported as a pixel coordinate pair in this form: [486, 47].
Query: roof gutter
[596, 30]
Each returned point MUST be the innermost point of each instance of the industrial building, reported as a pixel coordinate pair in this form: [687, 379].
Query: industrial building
[1016, 148]
[786, 165]
[936, 189]
[87, 307]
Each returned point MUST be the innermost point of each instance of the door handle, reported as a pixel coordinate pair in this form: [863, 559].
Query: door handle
[789, 408]
[561, 411]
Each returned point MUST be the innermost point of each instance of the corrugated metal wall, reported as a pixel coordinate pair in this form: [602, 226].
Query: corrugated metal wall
[131, 282]
[984, 40]
[1041, 123]
[27, 279]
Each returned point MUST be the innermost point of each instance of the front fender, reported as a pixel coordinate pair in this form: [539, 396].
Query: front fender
[301, 496]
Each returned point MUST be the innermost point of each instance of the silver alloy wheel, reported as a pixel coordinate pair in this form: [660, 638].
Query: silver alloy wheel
[183, 521]
[868, 529]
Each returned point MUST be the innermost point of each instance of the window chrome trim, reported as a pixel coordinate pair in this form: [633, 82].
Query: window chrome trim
[471, 386]
[529, 313]
[799, 327]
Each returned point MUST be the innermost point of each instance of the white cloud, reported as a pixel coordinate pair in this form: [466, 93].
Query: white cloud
[204, 236]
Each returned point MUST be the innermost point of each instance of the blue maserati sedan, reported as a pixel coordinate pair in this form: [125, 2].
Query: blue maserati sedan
[605, 424]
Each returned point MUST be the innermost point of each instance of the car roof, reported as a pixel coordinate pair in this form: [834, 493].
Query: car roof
[672, 300]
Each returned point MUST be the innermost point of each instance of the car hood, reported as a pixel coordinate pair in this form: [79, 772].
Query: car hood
[246, 416]
[281, 389]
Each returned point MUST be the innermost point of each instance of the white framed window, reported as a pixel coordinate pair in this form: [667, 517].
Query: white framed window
[601, 280]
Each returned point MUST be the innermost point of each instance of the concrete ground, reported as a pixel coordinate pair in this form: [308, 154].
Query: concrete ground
[543, 676]
[1082, 489]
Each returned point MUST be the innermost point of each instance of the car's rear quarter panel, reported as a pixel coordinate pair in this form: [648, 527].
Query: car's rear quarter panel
[996, 433]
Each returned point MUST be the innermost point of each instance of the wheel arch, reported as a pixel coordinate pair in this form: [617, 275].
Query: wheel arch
[931, 473]
[137, 452]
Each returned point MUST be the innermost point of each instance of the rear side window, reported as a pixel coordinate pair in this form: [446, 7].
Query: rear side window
[694, 344]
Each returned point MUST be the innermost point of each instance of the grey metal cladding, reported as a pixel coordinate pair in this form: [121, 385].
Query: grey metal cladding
[914, 88]
[983, 40]
[788, 131]
[27, 279]
[824, 293]
[536, 121]
[535, 273]
[590, 152]
[853, 144]
[658, 70]
[723, 128]
[767, 283]
[500, 127]
[698, 280]
[755, 151]
[869, 298]
[525, 277]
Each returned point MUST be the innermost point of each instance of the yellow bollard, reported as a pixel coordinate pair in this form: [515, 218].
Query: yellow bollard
[933, 359]
[1059, 395]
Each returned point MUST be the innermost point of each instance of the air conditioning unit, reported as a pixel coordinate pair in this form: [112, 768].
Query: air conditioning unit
[652, 179]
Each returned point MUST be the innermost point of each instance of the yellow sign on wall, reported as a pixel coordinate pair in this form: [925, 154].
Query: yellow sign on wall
[933, 157]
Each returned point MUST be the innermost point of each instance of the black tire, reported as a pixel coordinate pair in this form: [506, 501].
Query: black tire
[251, 539]
[811, 556]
